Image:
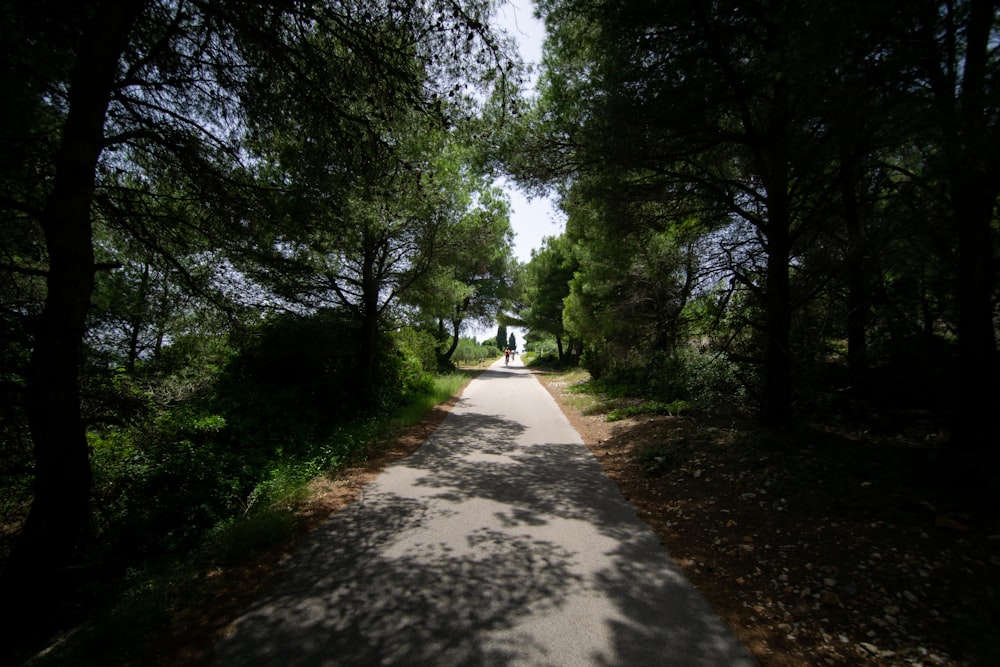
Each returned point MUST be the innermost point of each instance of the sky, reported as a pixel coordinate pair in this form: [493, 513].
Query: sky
[531, 218]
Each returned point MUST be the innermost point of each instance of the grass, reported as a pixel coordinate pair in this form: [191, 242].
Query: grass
[444, 387]
[594, 398]
[142, 609]
[579, 396]
[649, 408]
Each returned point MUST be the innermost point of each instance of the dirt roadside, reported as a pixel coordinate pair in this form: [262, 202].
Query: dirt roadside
[817, 554]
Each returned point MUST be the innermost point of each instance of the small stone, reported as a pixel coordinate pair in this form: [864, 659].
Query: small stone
[869, 648]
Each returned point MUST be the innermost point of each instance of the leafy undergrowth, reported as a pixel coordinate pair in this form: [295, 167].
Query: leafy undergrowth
[173, 616]
[829, 548]
[648, 408]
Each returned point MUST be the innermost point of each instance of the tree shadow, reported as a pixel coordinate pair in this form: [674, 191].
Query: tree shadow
[470, 550]
[348, 600]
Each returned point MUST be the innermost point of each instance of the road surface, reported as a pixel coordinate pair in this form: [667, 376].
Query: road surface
[499, 542]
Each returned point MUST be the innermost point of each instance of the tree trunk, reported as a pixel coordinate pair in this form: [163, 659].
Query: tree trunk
[858, 300]
[35, 573]
[456, 325]
[975, 430]
[974, 176]
[369, 312]
[776, 404]
[777, 390]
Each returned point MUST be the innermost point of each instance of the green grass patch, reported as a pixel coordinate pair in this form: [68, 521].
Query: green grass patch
[649, 408]
[118, 634]
[579, 392]
[443, 387]
[240, 539]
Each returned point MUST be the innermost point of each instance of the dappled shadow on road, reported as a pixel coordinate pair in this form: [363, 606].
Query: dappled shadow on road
[515, 371]
[482, 456]
[546, 488]
[350, 601]
[665, 620]
[469, 551]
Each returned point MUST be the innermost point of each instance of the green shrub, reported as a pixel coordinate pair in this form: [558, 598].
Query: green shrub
[649, 408]
[470, 352]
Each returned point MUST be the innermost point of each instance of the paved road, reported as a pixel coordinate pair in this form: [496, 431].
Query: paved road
[500, 542]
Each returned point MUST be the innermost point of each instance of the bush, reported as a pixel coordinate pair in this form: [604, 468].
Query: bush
[418, 344]
[686, 377]
[471, 352]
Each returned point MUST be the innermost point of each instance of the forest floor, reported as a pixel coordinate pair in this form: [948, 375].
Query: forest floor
[833, 549]
[830, 551]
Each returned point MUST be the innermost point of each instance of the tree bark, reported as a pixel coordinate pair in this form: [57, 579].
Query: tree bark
[777, 390]
[35, 573]
[858, 291]
[975, 173]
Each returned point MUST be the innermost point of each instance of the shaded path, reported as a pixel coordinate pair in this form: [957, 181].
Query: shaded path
[499, 542]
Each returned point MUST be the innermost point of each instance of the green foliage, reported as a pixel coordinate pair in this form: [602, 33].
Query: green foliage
[649, 408]
[421, 345]
[219, 432]
[546, 285]
[443, 387]
[237, 538]
[685, 375]
[471, 352]
[501, 338]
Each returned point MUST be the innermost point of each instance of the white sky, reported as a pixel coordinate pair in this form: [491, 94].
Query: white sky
[531, 219]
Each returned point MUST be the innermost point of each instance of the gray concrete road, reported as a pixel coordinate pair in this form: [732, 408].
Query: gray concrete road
[500, 542]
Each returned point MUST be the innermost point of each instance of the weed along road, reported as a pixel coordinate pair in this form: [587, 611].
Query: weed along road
[499, 542]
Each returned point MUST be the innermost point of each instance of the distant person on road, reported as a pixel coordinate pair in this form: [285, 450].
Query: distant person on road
[506, 356]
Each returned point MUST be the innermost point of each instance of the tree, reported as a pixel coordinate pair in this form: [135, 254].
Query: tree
[628, 295]
[59, 510]
[718, 114]
[956, 63]
[501, 339]
[472, 276]
[512, 342]
[546, 285]
[168, 92]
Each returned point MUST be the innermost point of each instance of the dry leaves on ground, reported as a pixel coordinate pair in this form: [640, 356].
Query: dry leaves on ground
[821, 553]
